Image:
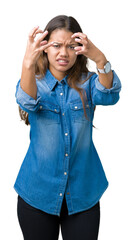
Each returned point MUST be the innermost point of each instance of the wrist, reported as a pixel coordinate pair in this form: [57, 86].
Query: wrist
[101, 62]
[27, 63]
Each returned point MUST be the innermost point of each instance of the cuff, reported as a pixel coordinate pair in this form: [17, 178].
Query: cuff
[26, 100]
[116, 84]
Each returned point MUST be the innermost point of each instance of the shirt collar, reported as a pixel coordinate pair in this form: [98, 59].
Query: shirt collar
[52, 81]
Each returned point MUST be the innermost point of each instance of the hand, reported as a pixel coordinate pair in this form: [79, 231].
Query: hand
[88, 49]
[35, 48]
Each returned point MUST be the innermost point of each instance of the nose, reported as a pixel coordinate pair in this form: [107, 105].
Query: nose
[64, 52]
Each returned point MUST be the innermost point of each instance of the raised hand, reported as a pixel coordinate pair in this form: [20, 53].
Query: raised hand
[35, 48]
[88, 49]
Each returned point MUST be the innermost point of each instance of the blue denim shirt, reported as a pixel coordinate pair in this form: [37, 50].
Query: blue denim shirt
[61, 157]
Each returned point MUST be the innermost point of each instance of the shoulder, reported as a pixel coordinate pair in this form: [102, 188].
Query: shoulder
[41, 81]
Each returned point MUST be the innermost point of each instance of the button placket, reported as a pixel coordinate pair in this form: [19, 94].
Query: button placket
[66, 133]
[62, 95]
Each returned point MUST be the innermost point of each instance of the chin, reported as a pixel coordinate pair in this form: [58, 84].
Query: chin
[63, 69]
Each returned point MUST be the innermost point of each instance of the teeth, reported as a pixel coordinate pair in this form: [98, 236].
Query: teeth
[62, 61]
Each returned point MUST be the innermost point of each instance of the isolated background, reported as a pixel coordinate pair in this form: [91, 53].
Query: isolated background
[110, 26]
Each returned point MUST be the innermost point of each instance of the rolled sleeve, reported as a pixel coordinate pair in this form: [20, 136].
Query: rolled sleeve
[105, 96]
[116, 84]
[25, 101]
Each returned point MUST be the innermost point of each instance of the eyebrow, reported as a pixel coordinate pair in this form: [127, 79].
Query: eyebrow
[62, 43]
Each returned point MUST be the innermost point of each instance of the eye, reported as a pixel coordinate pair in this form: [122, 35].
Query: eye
[71, 47]
[56, 45]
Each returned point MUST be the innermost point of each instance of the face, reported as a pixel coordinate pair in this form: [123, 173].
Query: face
[61, 55]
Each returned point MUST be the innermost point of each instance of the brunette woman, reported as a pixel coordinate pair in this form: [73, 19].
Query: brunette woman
[61, 179]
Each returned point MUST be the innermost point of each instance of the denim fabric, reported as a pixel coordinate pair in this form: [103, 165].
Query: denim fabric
[61, 157]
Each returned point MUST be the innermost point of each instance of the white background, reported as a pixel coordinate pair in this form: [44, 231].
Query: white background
[110, 26]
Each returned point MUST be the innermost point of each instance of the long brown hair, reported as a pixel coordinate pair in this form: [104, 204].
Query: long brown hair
[75, 72]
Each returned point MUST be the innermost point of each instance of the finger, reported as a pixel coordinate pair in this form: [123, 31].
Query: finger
[38, 31]
[42, 37]
[79, 34]
[42, 48]
[82, 41]
[78, 48]
[33, 31]
[79, 53]
[43, 43]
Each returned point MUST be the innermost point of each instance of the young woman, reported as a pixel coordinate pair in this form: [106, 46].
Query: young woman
[61, 179]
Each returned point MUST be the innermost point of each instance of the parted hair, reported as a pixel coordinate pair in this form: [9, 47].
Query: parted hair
[74, 73]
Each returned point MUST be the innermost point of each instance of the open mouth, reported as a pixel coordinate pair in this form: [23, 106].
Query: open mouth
[62, 62]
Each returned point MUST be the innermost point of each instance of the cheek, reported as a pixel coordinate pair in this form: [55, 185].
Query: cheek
[51, 54]
[73, 57]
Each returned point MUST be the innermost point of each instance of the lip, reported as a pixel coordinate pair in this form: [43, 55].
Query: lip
[64, 61]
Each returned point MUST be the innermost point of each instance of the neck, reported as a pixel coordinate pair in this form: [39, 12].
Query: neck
[57, 74]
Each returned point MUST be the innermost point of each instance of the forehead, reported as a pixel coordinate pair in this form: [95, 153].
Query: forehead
[62, 36]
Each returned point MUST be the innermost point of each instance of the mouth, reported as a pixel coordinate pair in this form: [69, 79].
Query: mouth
[62, 62]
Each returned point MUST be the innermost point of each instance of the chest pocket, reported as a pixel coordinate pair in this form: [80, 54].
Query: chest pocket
[48, 113]
[77, 111]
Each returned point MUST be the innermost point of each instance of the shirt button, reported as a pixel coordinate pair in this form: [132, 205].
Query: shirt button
[55, 110]
[66, 134]
[65, 173]
[40, 107]
[66, 154]
[61, 93]
[60, 194]
[63, 114]
[67, 193]
[75, 107]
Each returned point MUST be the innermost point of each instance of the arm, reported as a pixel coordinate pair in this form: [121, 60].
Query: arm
[104, 87]
[106, 79]
[28, 82]
[102, 95]
[27, 92]
[89, 50]
[33, 51]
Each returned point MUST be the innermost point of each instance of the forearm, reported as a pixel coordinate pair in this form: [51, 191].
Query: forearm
[28, 81]
[106, 79]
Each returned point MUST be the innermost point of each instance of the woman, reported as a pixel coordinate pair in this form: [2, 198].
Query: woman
[61, 179]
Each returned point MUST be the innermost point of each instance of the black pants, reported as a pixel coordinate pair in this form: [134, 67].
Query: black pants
[38, 225]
